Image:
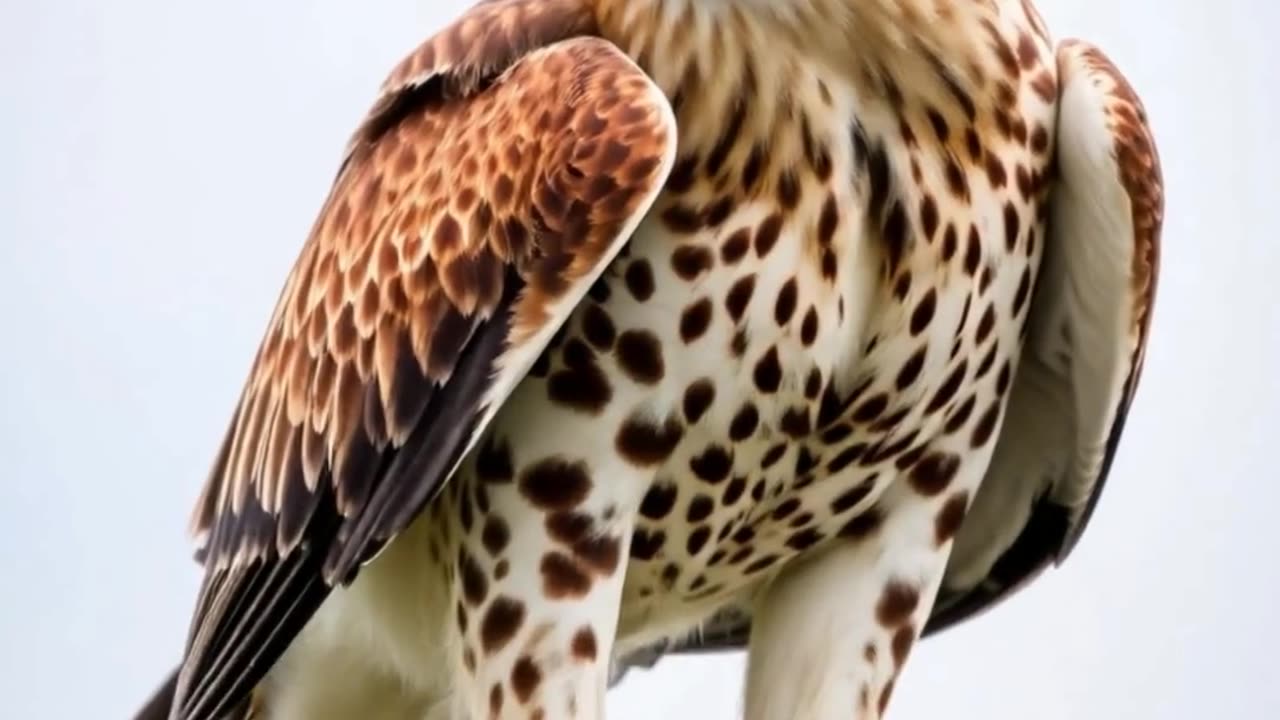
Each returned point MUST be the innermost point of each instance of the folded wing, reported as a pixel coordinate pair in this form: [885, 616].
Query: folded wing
[1085, 346]
[505, 164]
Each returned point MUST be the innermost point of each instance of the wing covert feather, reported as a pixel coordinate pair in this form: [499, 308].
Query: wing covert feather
[505, 163]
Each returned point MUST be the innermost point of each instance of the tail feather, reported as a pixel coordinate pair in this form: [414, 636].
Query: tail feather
[160, 705]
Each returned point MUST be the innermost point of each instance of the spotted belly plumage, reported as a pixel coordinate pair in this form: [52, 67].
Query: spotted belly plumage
[792, 348]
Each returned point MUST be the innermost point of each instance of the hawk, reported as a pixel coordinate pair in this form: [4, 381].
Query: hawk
[809, 323]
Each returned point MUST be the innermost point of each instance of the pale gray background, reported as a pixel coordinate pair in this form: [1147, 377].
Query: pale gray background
[160, 163]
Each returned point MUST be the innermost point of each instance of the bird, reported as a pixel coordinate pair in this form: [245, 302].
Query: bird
[801, 326]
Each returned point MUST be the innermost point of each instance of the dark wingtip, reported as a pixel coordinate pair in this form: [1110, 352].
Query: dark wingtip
[161, 702]
[1032, 551]
[1072, 536]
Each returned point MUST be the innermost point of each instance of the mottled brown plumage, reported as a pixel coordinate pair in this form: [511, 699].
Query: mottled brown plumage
[458, 222]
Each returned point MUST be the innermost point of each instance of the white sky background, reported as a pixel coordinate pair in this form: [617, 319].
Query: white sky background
[161, 162]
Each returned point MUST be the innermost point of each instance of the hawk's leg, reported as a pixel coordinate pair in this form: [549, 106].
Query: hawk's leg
[833, 630]
[543, 512]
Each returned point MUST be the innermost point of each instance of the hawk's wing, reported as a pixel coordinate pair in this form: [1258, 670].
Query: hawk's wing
[1080, 367]
[1085, 345]
[505, 164]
